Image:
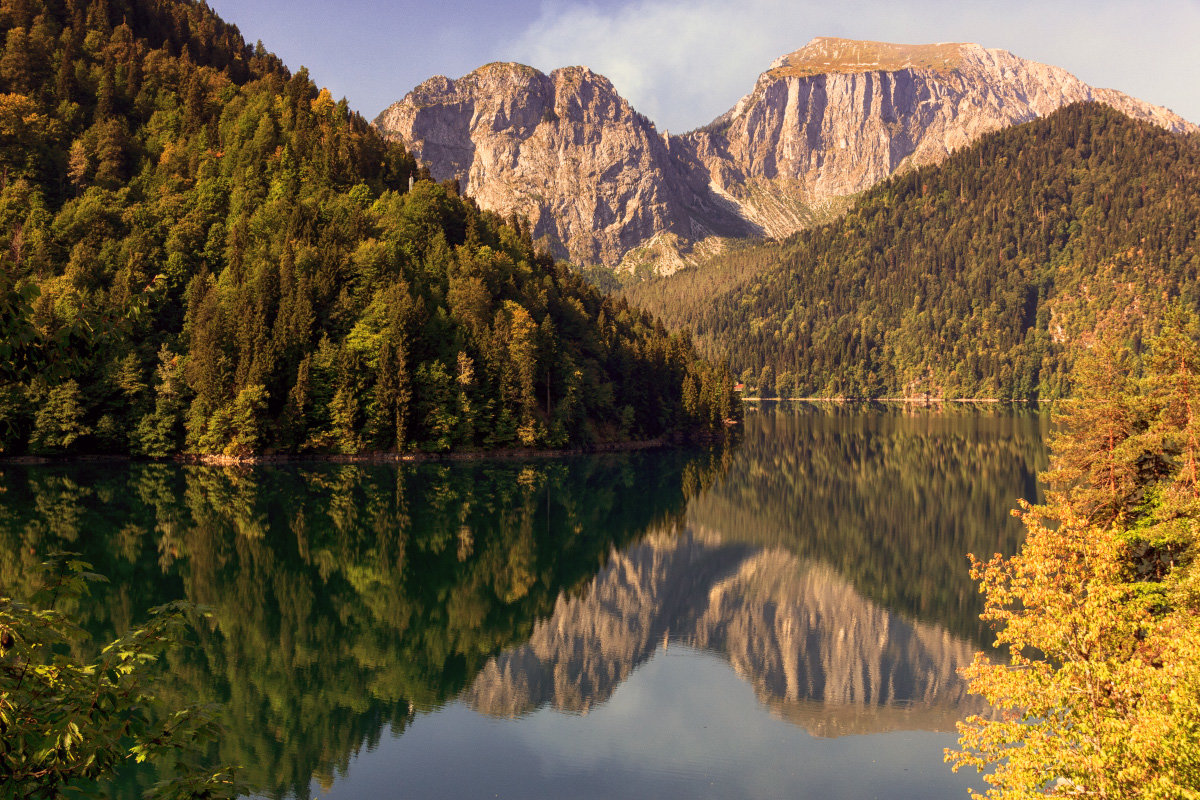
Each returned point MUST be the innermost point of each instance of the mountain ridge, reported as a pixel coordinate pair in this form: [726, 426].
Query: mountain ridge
[514, 135]
[824, 54]
[980, 277]
[600, 184]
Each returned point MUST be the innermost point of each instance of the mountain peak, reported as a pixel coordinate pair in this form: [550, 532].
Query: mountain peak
[504, 69]
[580, 75]
[828, 54]
[497, 72]
[566, 152]
[825, 122]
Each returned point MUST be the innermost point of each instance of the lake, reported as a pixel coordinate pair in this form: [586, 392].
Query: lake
[782, 617]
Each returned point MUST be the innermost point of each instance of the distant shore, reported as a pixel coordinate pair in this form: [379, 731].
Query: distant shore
[381, 457]
[913, 400]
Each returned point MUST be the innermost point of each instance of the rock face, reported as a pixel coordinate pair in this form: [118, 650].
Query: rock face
[816, 652]
[566, 152]
[838, 116]
[825, 122]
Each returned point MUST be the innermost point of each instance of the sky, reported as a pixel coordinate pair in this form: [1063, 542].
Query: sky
[684, 62]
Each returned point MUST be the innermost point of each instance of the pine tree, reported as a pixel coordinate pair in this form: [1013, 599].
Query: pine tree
[1100, 610]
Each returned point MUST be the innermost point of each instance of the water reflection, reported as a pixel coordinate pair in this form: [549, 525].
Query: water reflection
[891, 497]
[826, 564]
[823, 560]
[815, 650]
[346, 599]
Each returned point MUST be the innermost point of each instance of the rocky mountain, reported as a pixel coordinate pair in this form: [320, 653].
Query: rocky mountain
[565, 152]
[983, 276]
[816, 652]
[601, 185]
[838, 116]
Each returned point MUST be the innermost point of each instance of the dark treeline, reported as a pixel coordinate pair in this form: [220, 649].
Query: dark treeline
[978, 277]
[204, 253]
[346, 600]
[892, 498]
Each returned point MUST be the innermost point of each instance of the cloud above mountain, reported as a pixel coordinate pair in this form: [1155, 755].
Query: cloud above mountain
[683, 62]
[672, 58]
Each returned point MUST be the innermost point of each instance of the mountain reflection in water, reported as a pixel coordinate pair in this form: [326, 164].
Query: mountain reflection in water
[815, 651]
[823, 558]
[820, 510]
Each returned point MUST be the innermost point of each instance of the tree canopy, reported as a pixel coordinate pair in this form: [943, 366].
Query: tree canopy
[1100, 610]
[979, 277]
[206, 253]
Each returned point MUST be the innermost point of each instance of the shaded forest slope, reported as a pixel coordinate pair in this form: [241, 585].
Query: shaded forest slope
[978, 277]
[205, 253]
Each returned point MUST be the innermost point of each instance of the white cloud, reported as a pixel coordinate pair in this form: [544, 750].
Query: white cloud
[680, 63]
[683, 62]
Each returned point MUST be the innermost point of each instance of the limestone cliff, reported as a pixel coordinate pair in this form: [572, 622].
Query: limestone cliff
[566, 152]
[816, 652]
[601, 184]
[838, 116]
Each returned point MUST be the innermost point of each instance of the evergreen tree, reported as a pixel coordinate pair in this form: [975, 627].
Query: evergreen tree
[983, 276]
[166, 188]
[1100, 611]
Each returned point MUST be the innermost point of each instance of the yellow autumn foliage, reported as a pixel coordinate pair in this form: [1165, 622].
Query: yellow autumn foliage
[1100, 696]
[1099, 613]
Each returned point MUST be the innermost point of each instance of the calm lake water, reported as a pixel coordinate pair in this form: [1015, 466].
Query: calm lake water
[782, 618]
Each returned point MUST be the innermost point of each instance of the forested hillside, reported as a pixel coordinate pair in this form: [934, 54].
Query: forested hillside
[979, 277]
[203, 253]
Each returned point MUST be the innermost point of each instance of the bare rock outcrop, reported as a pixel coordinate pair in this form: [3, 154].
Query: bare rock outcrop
[564, 151]
[838, 116]
[599, 182]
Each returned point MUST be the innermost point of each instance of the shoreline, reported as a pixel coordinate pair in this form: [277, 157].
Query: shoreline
[386, 457]
[501, 454]
[930, 401]
[373, 457]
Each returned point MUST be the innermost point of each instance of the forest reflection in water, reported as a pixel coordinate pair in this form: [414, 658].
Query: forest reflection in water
[346, 599]
[823, 557]
[827, 564]
[890, 496]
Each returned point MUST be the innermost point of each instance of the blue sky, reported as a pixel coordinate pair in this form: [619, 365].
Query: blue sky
[684, 62]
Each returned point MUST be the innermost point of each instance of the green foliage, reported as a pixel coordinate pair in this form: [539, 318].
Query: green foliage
[17, 332]
[59, 419]
[166, 188]
[344, 599]
[980, 277]
[68, 721]
[1129, 447]
[1100, 610]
